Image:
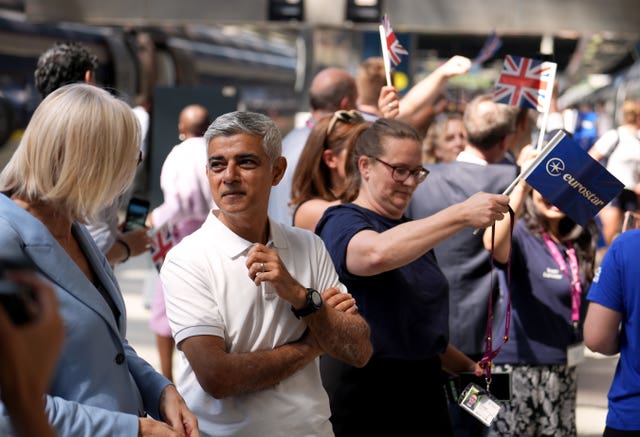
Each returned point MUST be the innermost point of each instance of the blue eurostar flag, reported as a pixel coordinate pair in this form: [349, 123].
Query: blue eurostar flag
[573, 181]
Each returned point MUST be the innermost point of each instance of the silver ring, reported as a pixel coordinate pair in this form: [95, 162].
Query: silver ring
[262, 267]
[390, 105]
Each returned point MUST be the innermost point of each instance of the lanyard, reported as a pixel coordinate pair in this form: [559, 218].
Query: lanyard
[487, 360]
[574, 278]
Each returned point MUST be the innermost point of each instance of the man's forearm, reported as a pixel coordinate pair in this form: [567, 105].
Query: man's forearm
[343, 336]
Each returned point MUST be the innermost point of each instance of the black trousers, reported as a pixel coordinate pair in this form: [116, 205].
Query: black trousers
[387, 397]
[610, 432]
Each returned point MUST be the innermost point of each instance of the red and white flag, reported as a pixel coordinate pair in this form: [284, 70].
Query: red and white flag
[161, 242]
[394, 48]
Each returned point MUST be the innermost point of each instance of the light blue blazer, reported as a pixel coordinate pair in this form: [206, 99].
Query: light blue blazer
[100, 386]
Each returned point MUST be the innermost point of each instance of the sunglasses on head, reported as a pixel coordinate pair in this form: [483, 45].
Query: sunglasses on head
[351, 117]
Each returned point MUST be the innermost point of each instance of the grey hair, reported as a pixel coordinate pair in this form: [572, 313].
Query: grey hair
[251, 123]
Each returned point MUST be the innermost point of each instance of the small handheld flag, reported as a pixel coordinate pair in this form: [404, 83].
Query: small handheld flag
[161, 242]
[569, 178]
[525, 82]
[392, 50]
[394, 47]
[490, 48]
[573, 181]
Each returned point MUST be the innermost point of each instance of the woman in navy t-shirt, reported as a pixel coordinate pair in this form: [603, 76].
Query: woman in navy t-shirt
[387, 263]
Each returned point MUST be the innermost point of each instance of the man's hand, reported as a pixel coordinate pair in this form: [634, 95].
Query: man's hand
[341, 301]
[264, 264]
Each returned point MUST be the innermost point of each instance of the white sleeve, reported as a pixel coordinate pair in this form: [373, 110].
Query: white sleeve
[190, 304]
[607, 143]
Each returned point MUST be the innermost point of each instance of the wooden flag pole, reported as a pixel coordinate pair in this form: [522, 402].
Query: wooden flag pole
[385, 54]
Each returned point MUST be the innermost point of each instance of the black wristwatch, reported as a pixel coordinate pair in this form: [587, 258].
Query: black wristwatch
[314, 303]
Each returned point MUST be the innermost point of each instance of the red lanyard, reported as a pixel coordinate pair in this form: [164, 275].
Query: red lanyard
[574, 277]
[487, 360]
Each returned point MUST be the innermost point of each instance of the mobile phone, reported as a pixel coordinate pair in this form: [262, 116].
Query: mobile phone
[136, 215]
[18, 300]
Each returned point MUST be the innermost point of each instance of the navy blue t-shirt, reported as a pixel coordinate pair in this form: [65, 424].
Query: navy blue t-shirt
[407, 308]
[541, 327]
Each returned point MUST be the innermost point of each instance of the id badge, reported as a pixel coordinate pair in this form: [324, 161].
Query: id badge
[575, 354]
[479, 403]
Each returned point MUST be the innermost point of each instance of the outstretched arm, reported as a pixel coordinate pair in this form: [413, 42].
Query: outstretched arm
[370, 253]
[428, 89]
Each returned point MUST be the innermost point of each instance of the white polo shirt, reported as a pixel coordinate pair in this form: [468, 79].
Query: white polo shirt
[208, 292]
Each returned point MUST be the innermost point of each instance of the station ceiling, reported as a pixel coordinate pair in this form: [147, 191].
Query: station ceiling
[589, 36]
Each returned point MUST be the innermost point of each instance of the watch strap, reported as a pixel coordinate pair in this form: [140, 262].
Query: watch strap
[310, 307]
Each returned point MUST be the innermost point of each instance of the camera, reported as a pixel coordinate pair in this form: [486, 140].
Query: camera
[18, 300]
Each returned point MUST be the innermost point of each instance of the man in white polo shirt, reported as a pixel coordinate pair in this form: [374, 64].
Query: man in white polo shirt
[252, 303]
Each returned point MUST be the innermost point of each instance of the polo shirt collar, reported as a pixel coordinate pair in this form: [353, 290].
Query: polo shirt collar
[233, 246]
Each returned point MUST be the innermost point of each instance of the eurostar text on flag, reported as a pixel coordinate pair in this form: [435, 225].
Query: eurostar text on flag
[525, 82]
[161, 242]
[394, 48]
[573, 181]
[490, 48]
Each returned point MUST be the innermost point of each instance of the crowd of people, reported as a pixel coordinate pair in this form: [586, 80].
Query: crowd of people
[328, 282]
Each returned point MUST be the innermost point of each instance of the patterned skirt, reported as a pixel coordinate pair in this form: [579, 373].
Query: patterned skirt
[543, 402]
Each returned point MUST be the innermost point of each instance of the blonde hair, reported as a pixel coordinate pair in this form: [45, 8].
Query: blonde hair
[77, 154]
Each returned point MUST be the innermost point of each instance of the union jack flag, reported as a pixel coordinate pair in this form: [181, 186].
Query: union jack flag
[161, 242]
[394, 48]
[525, 82]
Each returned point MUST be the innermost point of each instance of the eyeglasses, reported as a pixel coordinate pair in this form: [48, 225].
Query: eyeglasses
[401, 174]
[352, 117]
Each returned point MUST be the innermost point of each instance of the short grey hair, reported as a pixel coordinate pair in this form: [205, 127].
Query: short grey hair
[251, 123]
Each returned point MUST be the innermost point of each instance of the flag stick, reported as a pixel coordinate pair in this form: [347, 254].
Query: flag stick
[545, 113]
[553, 142]
[543, 129]
[385, 54]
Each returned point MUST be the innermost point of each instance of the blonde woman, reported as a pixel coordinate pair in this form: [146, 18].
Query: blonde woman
[79, 152]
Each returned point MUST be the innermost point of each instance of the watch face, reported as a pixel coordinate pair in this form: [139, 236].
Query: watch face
[316, 298]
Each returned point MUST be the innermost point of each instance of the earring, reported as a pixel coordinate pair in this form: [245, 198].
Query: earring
[182, 137]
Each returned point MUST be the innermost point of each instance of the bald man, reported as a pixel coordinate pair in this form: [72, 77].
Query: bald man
[193, 122]
[187, 202]
[331, 89]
